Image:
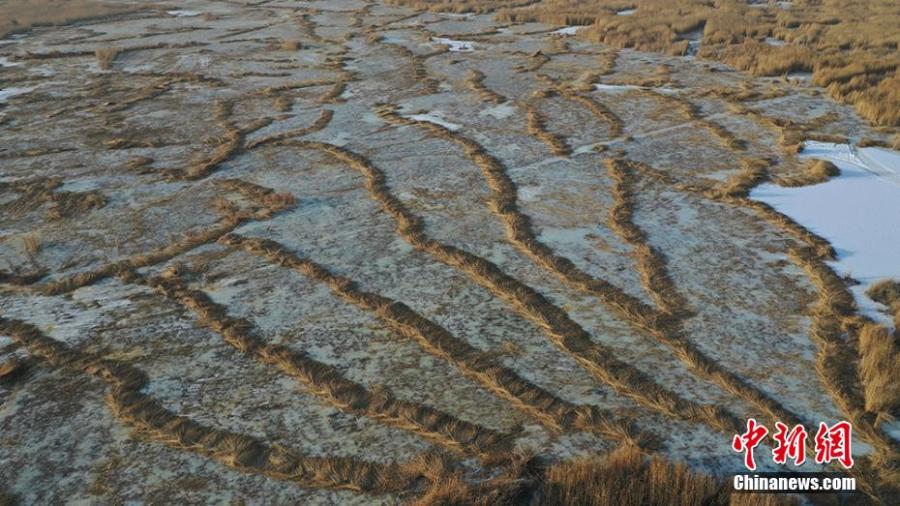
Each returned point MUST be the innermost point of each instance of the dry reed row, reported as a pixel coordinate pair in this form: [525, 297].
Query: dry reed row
[157, 88]
[326, 381]
[419, 69]
[651, 264]
[615, 123]
[325, 116]
[548, 409]
[230, 145]
[835, 311]
[537, 126]
[692, 112]
[658, 283]
[276, 203]
[538, 60]
[660, 325]
[475, 82]
[834, 322]
[565, 333]
[879, 360]
[241, 452]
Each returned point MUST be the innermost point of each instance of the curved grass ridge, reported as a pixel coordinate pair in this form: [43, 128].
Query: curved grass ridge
[327, 382]
[565, 333]
[244, 453]
[475, 82]
[271, 204]
[537, 126]
[548, 409]
[661, 325]
[325, 117]
[835, 323]
[693, 113]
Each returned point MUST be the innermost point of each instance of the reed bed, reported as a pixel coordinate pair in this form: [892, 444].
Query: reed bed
[244, 453]
[879, 361]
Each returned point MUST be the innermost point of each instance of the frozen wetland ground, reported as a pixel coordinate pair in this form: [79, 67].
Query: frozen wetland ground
[276, 252]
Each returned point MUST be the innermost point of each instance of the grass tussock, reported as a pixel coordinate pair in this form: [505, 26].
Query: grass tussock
[149, 418]
[291, 45]
[879, 361]
[105, 57]
[815, 172]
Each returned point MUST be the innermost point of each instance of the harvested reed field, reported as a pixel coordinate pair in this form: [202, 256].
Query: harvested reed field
[449, 252]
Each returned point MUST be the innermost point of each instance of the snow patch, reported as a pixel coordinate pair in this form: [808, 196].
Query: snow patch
[626, 12]
[455, 45]
[856, 212]
[183, 14]
[772, 41]
[436, 119]
[12, 92]
[501, 111]
[566, 31]
[4, 62]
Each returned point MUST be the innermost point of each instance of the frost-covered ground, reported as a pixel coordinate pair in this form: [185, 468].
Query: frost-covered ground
[332, 105]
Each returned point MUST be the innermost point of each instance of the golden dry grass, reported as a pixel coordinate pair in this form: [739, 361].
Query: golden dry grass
[129, 405]
[850, 47]
[879, 356]
[22, 15]
[626, 477]
[106, 56]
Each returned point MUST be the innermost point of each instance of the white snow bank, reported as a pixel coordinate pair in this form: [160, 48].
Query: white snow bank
[432, 118]
[183, 14]
[625, 12]
[857, 212]
[566, 31]
[455, 45]
[11, 92]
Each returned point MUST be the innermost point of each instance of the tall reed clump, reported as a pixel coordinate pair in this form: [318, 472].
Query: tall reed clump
[106, 56]
[879, 363]
[626, 477]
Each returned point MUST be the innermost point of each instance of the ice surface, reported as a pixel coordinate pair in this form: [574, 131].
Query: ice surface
[455, 45]
[858, 212]
[183, 14]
